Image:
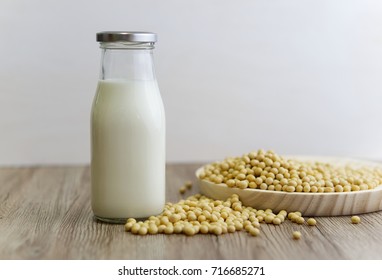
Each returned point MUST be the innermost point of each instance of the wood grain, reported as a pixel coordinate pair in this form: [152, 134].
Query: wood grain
[45, 214]
[314, 204]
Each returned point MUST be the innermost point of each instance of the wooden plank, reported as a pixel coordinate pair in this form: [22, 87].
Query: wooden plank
[45, 214]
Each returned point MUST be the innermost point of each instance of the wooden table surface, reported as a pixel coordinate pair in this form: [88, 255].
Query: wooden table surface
[45, 214]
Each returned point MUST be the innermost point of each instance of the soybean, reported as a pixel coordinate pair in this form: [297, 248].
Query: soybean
[355, 220]
[272, 172]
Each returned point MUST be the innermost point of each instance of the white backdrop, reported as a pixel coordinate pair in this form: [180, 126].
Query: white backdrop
[298, 77]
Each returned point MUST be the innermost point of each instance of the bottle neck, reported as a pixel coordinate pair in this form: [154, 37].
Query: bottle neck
[127, 62]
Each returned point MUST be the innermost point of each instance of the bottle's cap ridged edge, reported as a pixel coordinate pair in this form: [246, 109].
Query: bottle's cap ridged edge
[126, 36]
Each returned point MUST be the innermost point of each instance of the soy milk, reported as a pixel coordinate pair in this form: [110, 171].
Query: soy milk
[128, 150]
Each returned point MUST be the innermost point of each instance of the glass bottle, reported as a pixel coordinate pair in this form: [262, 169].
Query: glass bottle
[127, 130]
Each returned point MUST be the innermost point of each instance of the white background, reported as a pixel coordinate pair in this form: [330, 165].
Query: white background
[109, 269]
[298, 77]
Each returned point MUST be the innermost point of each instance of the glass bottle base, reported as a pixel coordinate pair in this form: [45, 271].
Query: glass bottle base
[111, 220]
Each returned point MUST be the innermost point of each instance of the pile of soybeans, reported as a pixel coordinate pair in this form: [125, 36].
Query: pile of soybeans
[200, 214]
[257, 170]
[269, 171]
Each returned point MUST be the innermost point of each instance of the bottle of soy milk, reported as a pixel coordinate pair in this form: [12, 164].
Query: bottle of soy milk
[127, 130]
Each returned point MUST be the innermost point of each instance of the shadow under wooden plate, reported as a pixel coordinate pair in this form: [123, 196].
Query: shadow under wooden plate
[309, 204]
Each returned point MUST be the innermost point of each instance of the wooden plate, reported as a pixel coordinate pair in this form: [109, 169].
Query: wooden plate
[310, 204]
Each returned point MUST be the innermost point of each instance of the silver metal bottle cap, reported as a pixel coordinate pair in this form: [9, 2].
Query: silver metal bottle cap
[126, 36]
